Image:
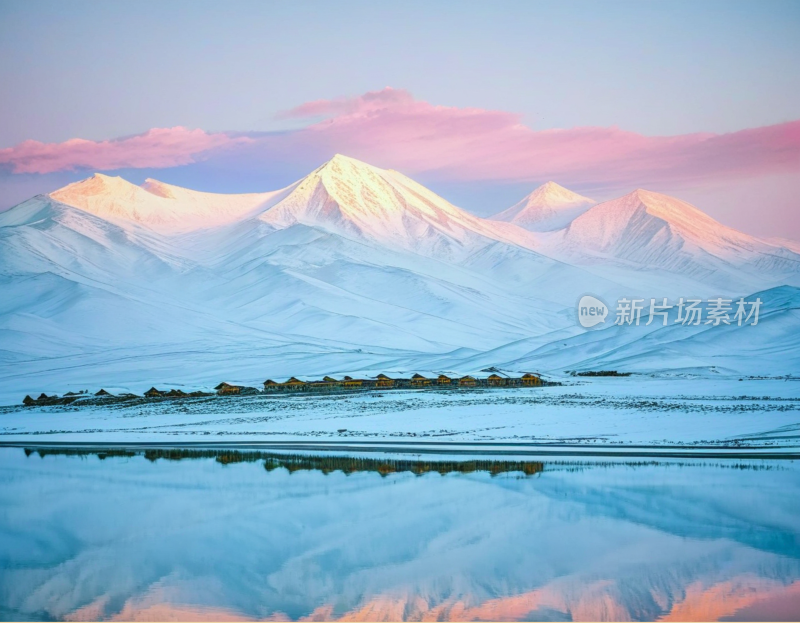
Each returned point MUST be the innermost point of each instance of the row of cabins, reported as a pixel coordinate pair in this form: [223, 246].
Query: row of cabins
[327, 384]
[85, 396]
[67, 398]
[330, 384]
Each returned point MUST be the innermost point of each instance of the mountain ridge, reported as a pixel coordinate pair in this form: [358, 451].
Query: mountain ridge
[354, 267]
[164, 208]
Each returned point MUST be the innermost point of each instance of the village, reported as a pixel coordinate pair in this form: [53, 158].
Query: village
[293, 385]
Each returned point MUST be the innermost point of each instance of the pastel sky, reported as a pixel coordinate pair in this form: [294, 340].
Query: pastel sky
[482, 102]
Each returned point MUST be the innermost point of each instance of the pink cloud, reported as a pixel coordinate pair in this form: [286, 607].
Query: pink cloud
[392, 129]
[156, 148]
[373, 101]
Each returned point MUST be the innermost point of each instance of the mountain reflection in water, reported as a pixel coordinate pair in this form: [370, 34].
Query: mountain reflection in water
[171, 534]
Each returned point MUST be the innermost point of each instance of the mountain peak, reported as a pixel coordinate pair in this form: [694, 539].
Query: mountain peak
[156, 205]
[340, 161]
[548, 207]
[353, 198]
[343, 158]
[645, 224]
[94, 187]
[556, 195]
[553, 186]
[670, 209]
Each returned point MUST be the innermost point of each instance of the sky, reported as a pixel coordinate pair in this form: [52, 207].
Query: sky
[479, 101]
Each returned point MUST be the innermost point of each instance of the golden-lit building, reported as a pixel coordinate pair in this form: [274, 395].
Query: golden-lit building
[326, 384]
[531, 380]
[384, 382]
[420, 381]
[226, 389]
[294, 385]
[350, 383]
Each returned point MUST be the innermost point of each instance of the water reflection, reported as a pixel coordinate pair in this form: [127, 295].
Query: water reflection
[325, 463]
[131, 536]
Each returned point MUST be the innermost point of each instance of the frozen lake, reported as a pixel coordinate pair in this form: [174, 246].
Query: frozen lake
[220, 535]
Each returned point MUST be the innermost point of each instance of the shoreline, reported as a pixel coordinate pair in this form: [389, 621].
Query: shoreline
[447, 448]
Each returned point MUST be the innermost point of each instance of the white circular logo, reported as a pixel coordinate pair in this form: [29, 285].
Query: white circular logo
[591, 311]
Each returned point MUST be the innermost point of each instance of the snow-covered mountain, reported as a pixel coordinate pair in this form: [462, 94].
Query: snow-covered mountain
[161, 207]
[351, 268]
[353, 199]
[547, 208]
[771, 347]
[648, 231]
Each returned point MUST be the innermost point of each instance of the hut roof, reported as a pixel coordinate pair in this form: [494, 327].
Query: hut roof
[496, 377]
[348, 378]
[418, 376]
[153, 390]
[223, 384]
[43, 396]
[270, 382]
[443, 377]
[464, 378]
[383, 376]
[330, 379]
[294, 380]
[528, 375]
[28, 400]
[102, 392]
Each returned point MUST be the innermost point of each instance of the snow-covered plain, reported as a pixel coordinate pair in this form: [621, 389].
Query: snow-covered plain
[603, 415]
[359, 270]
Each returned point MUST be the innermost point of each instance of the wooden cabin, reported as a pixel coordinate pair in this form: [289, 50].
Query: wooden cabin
[271, 386]
[467, 381]
[153, 393]
[444, 380]
[226, 389]
[28, 401]
[327, 384]
[531, 380]
[294, 385]
[420, 381]
[384, 382]
[350, 383]
[101, 393]
[495, 380]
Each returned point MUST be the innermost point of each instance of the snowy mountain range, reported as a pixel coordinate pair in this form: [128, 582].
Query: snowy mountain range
[359, 269]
